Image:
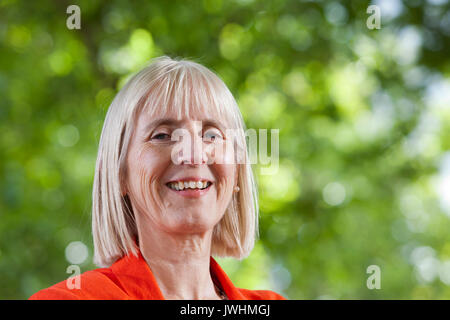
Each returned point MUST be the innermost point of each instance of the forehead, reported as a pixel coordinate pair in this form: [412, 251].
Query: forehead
[146, 123]
[175, 116]
[147, 120]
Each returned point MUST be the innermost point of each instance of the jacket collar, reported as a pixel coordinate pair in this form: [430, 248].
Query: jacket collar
[137, 279]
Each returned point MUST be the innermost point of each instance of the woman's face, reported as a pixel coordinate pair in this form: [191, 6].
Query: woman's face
[171, 181]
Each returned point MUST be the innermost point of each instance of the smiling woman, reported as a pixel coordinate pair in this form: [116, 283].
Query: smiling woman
[168, 195]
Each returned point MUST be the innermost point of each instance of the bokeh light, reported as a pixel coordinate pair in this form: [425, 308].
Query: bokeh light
[76, 252]
[364, 134]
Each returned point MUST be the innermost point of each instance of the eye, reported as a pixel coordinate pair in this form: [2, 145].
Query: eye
[212, 135]
[160, 136]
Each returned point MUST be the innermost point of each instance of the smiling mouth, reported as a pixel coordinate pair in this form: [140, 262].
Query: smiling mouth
[188, 185]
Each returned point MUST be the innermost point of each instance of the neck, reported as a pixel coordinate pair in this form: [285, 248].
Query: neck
[179, 262]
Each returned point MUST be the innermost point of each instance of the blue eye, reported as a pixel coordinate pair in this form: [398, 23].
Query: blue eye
[211, 135]
[160, 136]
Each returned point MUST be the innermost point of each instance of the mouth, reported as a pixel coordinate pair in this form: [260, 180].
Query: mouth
[189, 187]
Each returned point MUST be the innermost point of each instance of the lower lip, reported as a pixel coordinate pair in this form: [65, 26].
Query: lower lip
[191, 193]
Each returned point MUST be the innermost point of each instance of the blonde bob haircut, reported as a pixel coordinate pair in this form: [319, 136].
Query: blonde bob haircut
[167, 85]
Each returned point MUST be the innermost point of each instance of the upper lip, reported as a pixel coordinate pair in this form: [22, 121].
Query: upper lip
[189, 179]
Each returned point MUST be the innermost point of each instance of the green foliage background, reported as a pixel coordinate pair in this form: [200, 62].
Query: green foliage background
[364, 119]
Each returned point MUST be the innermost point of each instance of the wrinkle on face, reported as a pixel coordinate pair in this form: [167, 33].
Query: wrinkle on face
[149, 166]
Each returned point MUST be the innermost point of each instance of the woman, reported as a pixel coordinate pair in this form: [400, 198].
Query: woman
[169, 191]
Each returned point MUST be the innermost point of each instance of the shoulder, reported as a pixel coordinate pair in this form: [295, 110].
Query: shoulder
[98, 284]
[260, 294]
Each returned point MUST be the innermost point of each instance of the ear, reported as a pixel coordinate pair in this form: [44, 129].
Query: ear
[123, 174]
[123, 186]
[123, 191]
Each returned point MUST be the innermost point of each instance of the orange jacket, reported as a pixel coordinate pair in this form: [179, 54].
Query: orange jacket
[130, 278]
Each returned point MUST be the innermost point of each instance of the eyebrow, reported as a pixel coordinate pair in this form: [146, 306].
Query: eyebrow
[172, 122]
[160, 122]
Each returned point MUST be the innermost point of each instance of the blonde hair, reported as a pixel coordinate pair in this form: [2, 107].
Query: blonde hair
[166, 85]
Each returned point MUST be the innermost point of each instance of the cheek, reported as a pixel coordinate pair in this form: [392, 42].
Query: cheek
[145, 170]
[221, 152]
[224, 174]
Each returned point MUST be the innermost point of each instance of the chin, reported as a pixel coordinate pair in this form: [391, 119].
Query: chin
[193, 223]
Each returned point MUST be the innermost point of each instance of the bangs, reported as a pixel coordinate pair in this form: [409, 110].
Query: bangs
[188, 89]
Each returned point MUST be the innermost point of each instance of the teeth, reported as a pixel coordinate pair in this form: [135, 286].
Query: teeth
[188, 184]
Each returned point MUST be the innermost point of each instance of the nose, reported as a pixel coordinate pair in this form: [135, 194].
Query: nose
[190, 150]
